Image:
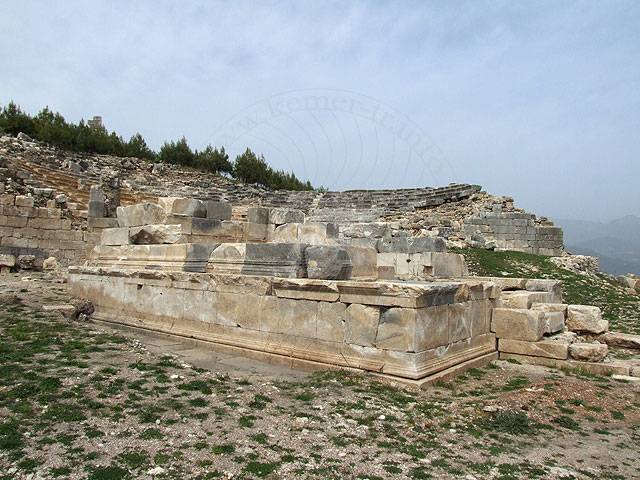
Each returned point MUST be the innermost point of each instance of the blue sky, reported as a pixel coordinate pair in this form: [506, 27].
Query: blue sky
[538, 100]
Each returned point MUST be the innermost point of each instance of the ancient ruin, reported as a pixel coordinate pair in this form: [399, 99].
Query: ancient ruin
[359, 280]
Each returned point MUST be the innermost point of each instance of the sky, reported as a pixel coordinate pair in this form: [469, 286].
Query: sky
[536, 100]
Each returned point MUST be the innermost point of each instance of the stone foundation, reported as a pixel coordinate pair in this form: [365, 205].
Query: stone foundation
[409, 330]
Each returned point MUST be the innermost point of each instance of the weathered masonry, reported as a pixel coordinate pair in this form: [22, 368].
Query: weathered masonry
[283, 286]
[461, 214]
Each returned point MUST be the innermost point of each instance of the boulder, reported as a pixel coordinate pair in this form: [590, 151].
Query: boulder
[26, 262]
[140, 214]
[585, 319]
[588, 352]
[328, 262]
[50, 263]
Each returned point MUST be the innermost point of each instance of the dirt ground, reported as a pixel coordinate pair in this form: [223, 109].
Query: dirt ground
[82, 400]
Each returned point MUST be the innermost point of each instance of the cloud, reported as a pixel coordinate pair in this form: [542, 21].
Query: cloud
[536, 100]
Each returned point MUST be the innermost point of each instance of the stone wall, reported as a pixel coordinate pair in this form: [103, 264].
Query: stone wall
[513, 231]
[453, 212]
[39, 231]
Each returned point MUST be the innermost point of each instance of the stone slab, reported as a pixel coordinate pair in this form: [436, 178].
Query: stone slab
[544, 348]
[613, 368]
[586, 319]
[518, 324]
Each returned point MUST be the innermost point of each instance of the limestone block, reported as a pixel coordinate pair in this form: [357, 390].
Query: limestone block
[255, 232]
[96, 194]
[365, 230]
[218, 210]
[411, 244]
[588, 352]
[206, 226]
[364, 262]
[102, 223]
[402, 294]
[612, 368]
[155, 234]
[386, 272]
[187, 207]
[548, 347]
[317, 233]
[460, 321]
[448, 265]
[393, 245]
[229, 230]
[523, 299]
[397, 330]
[293, 317]
[361, 324]
[288, 233]
[24, 201]
[26, 262]
[258, 215]
[480, 315]
[553, 287]
[427, 244]
[7, 199]
[585, 318]
[328, 262]
[550, 307]
[331, 321]
[615, 339]
[96, 210]
[280, 216]
[554, 322]
[432, 328]
[305, 288]
[140, 214]
[115, 236]
[274, 259]
[518, 324]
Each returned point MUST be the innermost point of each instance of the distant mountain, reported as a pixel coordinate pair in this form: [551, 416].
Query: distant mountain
[616, 243]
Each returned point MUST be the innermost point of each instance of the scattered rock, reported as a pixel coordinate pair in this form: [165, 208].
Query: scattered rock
[9, 299]
[26, 262]
[622, 340]
[82, 311]
[50, 263]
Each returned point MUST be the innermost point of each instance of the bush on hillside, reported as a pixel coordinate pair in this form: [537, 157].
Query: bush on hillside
[52, 128]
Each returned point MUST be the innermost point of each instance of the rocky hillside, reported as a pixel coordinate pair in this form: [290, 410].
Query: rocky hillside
[463, 214]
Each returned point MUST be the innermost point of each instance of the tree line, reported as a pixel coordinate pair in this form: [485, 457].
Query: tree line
[52, 128]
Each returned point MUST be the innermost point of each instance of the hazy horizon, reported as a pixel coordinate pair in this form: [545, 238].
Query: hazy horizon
[539, 101]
